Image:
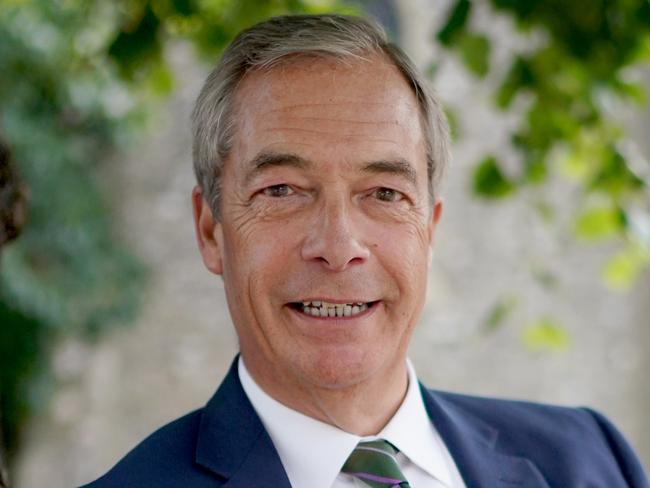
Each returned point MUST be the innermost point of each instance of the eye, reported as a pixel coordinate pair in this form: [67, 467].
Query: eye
[278, 191]
[388, 195]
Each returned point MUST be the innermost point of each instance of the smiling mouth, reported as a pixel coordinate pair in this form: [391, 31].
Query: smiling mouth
[326, 309]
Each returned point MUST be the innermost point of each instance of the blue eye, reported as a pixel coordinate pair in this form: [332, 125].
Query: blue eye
[388, 195]
[278, 191]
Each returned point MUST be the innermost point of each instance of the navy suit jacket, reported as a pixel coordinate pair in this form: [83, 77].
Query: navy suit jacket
[495, 444]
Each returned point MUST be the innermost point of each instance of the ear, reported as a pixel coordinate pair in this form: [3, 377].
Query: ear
[209, 235]
[436, 214]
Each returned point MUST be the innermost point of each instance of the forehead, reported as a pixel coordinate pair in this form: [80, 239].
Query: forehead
[367, 76]
[360, 108]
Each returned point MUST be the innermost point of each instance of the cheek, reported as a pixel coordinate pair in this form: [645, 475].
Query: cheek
[407, 242]
[256, 249]
[403, 251]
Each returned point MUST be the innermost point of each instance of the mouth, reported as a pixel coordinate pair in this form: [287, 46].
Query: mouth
[322, 309]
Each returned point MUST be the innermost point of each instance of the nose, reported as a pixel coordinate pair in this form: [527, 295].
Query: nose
[333, 239]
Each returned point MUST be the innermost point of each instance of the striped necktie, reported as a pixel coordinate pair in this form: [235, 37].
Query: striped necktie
[374, 463]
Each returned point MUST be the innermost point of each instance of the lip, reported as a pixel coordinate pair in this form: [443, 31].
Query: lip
[334, 300]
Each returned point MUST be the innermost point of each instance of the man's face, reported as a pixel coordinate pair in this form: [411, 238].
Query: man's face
[325, 225]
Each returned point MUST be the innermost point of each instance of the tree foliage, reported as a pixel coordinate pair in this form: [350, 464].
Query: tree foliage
[67, 274]
[582, 62]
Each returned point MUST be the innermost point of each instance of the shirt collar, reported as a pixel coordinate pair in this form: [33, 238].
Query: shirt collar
[412, 432]
[314, 457]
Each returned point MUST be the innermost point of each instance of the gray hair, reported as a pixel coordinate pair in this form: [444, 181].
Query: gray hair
[269, 43]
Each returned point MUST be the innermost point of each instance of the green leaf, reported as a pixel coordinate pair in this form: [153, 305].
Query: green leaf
[634, 91]
[546, 334]
[520, 76]
[319, 5]
[161, 80]
[499, 312]
[455, 22]
[475, 52]
[545, 277]
[452, 120]
[545, 211]
[489, 181]
[137, 43]
[614, 176]
[599, 222]
[432, 70]
[21, 343]
[622, 270]
[535, 171]
[183, 7]
[574, 166]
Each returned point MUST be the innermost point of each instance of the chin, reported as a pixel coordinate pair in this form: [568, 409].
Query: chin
[340, 367]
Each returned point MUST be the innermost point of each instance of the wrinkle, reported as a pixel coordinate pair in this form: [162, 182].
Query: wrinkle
[329, 133]
[330, 103]
[348, 120]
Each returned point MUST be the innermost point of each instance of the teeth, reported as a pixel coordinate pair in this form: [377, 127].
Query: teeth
[325, 309]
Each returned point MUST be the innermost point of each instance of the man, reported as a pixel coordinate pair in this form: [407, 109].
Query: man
[318, 150]
[12, 217]
[12, 198]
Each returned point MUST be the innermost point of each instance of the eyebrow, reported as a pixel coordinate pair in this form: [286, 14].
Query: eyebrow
[265, 160]
[399, 167]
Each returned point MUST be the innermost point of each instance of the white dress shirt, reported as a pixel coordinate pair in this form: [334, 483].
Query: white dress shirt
[313, 452]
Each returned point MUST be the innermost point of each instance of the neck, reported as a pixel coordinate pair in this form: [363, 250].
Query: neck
[363, 408]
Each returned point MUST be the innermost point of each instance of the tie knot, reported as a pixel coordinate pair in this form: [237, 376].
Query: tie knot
[374, 463]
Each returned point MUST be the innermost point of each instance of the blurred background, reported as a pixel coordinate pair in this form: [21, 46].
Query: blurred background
[109, 324]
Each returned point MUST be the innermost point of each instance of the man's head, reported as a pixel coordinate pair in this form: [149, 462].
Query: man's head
[325, 215]
[12, 198]
[274, 42]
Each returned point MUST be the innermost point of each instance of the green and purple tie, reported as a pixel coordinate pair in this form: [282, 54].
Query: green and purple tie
[374, 463]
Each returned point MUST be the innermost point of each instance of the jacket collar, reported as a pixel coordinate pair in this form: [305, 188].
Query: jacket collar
[473, 445]
[233, 443]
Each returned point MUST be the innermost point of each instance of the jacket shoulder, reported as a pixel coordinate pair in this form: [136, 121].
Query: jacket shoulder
[534, 416]
[577, 437]
[164, 459]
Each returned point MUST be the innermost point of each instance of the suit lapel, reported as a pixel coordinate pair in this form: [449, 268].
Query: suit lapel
[233, 443]
[473, 445]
